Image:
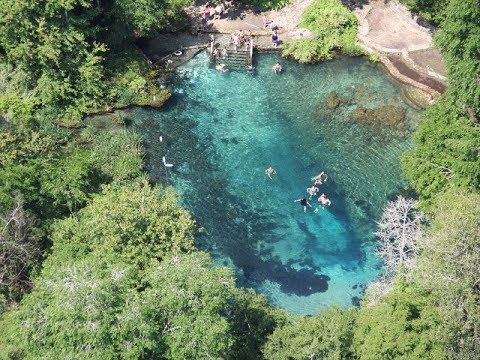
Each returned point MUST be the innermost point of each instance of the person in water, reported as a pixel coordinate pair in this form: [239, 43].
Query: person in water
[277, 68]
[221, 68]
[324, 200]
[270, 171]
[320, 178]
[312, 191]
[304, 202]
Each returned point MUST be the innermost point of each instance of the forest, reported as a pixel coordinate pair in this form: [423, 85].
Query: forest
[98, 262]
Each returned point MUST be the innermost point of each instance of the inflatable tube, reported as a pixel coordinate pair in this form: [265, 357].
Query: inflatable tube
[178, 53]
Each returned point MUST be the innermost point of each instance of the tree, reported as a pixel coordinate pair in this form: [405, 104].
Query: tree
[398, 232]
[98, 307]
[73, 309]
[450, 269]
[252, 320]
[19, 251]
[402, 326]
[460, 45]
[136, 222]
[327, 335]
[143, 18]
[188, 302]
[445, 155]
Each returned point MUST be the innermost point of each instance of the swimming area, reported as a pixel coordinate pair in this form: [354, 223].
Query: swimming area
[222, 130]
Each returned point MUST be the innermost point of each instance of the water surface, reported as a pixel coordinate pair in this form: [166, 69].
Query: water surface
[221, 131]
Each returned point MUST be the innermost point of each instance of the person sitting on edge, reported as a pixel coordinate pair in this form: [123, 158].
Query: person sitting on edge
[312, 191]
[267, 23]
[324, 200]
[270, 171]
[304, 202]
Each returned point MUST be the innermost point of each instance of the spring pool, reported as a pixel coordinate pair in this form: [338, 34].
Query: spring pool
[222, 130]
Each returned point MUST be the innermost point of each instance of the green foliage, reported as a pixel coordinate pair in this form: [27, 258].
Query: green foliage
[147, 17]
[53, 48]
[428, 9]
[70, 179]
[265, 5]
[460, 45]
[73, 310]
[135, 222]
[91, 308]
[402, 327]
[194, 298]
[449, 269]
[335, 28]
[253, 319]
[446, 153]
[119, 154]
[327, 335]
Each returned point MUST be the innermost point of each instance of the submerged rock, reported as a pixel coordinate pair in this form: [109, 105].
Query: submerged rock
[334, 100]
[386, 115]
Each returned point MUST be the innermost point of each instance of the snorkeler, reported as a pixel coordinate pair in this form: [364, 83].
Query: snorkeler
[221, 68]
[320, 178]
[304, 202]
[312, 191]
[277, 68]
[324, 200]
[270, 171]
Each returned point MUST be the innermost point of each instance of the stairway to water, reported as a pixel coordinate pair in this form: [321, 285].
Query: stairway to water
[235, 60]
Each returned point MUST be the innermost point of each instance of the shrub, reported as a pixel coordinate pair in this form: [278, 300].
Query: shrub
[335, 28]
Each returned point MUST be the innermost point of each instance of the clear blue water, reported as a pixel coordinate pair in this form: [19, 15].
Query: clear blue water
[221, 131]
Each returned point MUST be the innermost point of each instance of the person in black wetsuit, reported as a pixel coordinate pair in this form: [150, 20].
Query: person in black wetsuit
[304, 202]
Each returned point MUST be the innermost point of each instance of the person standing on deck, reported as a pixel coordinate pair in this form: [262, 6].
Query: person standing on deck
[275, 39]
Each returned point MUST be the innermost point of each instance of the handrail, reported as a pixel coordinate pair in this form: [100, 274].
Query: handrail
[250, 58]
[211, 51]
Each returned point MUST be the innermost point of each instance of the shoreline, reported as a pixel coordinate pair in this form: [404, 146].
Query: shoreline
[389, 31]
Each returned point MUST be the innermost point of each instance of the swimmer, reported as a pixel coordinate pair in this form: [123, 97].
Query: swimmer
[320, 178]
[324, 200]
[277, 68]
[304, 202]
[312, 191]
[270, 171]
[221, 68]
[250, 68]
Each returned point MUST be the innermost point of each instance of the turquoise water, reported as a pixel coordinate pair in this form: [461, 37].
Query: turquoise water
[221, 131]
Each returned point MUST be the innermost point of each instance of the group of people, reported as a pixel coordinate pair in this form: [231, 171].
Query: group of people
[277, 68]
[312, 190]
[215, 12]
[239, 38]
